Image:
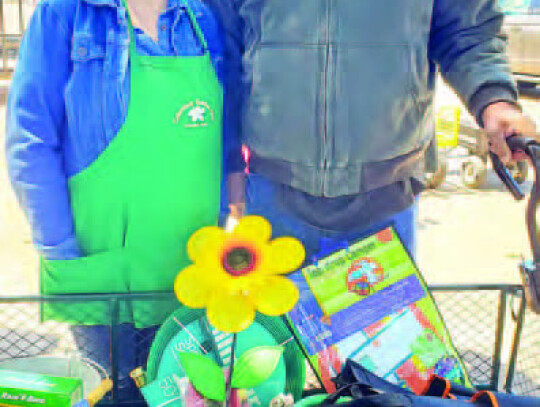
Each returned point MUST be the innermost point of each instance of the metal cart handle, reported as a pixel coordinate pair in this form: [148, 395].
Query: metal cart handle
[532, 149]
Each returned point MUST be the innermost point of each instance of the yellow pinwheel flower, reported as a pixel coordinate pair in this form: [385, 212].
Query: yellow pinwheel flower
[237, 273]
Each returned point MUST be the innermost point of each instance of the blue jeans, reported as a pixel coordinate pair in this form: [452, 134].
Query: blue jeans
[261, 200]
[132, 348]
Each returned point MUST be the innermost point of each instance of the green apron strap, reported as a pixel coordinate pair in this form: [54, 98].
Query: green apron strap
[196, 27]
[192, 19]
[132, 44]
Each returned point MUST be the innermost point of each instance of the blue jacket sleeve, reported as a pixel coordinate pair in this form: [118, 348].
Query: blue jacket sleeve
[226, 12]
[35, 123]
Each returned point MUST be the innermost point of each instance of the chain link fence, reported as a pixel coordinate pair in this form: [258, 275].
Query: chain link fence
[53, 327]
[495, 334]
[497, 337]
[475, 317]
[524, 370]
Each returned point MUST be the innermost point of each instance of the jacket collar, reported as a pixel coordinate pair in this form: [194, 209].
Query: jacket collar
[171, 4]
[109, 3]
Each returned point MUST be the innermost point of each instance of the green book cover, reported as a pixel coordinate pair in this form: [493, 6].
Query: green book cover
[371, 304]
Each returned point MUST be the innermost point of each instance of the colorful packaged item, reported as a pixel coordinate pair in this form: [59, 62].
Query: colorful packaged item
[369, 303]
[30, 390]
[189, 363]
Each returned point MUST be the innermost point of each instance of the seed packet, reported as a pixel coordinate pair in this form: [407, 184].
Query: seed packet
[29, 389]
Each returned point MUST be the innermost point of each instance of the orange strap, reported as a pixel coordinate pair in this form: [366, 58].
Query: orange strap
[437, 387]
[485, 397]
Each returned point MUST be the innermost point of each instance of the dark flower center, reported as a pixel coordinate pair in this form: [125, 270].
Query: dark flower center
[239, 261]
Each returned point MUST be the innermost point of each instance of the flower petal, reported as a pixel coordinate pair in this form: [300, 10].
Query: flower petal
[253, 228]
[205, 242]
[192, 287]
[230, 311]
[274, 295]
[283, 255]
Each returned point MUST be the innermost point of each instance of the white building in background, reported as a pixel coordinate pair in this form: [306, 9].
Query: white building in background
[14, 17]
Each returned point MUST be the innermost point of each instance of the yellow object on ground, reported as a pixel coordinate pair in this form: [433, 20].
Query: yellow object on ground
[447, 126]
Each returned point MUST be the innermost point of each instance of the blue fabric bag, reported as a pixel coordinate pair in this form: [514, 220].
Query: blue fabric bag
[441, 387]
[357, 387]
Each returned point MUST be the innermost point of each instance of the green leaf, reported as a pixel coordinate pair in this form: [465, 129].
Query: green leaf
[255, 366]
[204, 374]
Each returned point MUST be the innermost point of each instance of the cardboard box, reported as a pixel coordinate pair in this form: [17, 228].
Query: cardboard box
[31, 390]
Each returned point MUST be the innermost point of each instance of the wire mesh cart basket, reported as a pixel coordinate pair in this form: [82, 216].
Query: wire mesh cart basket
[497, 337]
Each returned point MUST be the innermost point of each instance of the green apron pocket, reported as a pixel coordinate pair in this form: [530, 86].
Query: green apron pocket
[71, 277]
[79, 276]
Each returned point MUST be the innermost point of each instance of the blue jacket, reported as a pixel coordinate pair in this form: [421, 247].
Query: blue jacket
[70, 95]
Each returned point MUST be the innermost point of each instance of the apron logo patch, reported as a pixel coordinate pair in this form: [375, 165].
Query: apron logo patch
[195, 114]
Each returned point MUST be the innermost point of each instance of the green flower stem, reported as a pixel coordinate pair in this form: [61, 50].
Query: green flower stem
[231, 371]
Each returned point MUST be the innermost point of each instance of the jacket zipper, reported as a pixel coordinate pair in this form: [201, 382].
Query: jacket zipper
[325, 99]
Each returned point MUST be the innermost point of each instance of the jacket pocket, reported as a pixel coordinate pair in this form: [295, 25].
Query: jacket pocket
[85, 49]
[97, 274]
[283, 117]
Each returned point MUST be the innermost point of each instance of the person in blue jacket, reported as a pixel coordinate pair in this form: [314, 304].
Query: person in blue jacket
[68, 102]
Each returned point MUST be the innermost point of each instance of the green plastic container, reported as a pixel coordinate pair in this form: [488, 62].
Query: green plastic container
[315, 401]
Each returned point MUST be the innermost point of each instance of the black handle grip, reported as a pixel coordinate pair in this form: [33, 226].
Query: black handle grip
[516, 143]
[506, 177]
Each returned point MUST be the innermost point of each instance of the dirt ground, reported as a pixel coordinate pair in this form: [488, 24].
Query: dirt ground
[18, 259]
[470, 236]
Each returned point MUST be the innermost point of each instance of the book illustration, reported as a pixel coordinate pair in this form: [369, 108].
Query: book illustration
[363, 275]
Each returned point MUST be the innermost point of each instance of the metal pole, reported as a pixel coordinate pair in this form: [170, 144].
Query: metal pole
[3, 35]
[21, 17]
[114, 305]
[515, 345]
[499, 335]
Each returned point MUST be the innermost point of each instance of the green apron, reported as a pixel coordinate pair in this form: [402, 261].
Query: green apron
[156, 183]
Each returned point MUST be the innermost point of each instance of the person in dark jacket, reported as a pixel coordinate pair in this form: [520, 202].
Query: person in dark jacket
[337, 105]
